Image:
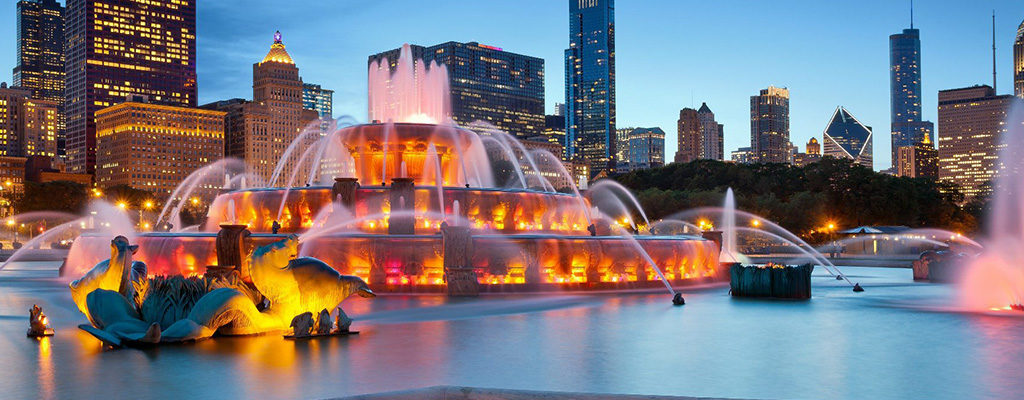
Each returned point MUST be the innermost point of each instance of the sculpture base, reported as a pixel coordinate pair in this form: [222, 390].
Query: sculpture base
[782, 283]
[37, 334]
[320, 335]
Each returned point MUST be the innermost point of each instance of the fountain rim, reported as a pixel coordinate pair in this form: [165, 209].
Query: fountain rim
[264, 235]
[420, 187]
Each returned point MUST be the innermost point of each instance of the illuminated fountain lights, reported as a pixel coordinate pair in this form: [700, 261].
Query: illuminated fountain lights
[380, 195]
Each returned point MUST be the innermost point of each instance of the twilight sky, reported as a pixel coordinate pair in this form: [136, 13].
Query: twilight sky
[670, 53]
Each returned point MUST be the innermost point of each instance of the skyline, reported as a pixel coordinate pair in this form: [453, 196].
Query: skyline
[650, 90]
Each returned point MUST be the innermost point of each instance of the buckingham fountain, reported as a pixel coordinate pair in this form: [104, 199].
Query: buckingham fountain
[417, 204]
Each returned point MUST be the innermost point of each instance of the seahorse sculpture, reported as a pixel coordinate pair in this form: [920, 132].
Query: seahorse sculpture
[126, 307]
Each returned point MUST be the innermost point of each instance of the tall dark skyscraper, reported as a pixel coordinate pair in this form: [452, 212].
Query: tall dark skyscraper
[1018, 62]
[487, 84]
[117, 48]
[769, 126]
[40, 50]
[905, 91]
[590, 84]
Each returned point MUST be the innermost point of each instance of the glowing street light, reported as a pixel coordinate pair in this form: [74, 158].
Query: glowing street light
[148, 204]
[122, 205]
[755, 223]
[195, 201]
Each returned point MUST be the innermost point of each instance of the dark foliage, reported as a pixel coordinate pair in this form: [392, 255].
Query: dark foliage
[802, 199]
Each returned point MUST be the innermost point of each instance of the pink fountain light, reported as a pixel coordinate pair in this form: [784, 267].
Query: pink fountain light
[995, 279]
[411, 92]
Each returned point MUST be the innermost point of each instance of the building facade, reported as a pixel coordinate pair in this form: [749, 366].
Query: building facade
[486, 83]
[590, 84]
[742, 155]
[554, 130]
[259, 131]
[905, 98]
[28, 126]
[155, 147]
[1018, 62]
[117, 48]
[846, 137]
[316, 98]
[622, 149]
[710, 134]
[688, 136]
[918, 161]
[811, 154]
[40, 53]
[971, 125]
[646, 148]
[769, 126]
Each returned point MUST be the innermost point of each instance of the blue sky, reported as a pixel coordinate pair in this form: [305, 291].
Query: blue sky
[670, 54]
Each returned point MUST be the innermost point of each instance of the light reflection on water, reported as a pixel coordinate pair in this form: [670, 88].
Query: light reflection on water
[892, 341]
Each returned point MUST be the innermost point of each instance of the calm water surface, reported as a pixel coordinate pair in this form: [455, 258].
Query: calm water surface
[896, 340]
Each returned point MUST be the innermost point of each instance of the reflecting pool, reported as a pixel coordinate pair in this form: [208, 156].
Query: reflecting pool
[897, 340]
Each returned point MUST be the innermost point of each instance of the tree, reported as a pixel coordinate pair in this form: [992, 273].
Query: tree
[52, 196]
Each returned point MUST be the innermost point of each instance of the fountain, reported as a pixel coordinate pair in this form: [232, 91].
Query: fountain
[994, 279]
[414, 206]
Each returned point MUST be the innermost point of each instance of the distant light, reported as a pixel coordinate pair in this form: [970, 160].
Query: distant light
[122, 205]
[490, 47]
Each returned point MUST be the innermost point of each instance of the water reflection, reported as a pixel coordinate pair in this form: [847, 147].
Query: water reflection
[891, 344]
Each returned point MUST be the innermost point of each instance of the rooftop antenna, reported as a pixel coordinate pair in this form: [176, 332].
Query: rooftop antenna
[994, 52]
[911, 14]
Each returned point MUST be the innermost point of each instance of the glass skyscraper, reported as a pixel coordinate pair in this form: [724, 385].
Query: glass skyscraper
[769, 126]
[590, 84]
[318, 99]
[487, 84]
[117, 48]
[1018, 62]
[905, 91]
[846, 137]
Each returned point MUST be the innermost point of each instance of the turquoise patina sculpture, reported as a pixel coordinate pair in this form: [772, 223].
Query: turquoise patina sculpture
[126, 307]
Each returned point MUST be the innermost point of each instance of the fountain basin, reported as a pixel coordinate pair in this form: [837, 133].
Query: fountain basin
[414, 263]
[783, 282]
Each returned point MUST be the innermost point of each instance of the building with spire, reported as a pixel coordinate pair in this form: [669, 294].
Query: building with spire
[259, 131]
[590, 84]
[905, 97]
[846, 137]
[1018, 62]
[115, 49]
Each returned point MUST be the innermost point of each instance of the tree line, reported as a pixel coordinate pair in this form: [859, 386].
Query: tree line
[803, 199]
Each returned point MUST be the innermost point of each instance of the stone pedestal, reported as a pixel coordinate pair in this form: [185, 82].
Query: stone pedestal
[402, 199]
[345, 189]
[233, 244]
[457, 242]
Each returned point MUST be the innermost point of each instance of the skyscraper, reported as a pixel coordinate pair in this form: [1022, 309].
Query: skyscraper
[688, 128]
[905, 91]
[971, 124]
[40, 53]
[1018, 62]
[590, 84]
[769, 126]
[261, 130]
[115, 48]
[488, 84]
[846, 137]
[316, 98]
[710, 134]
[622, 149]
